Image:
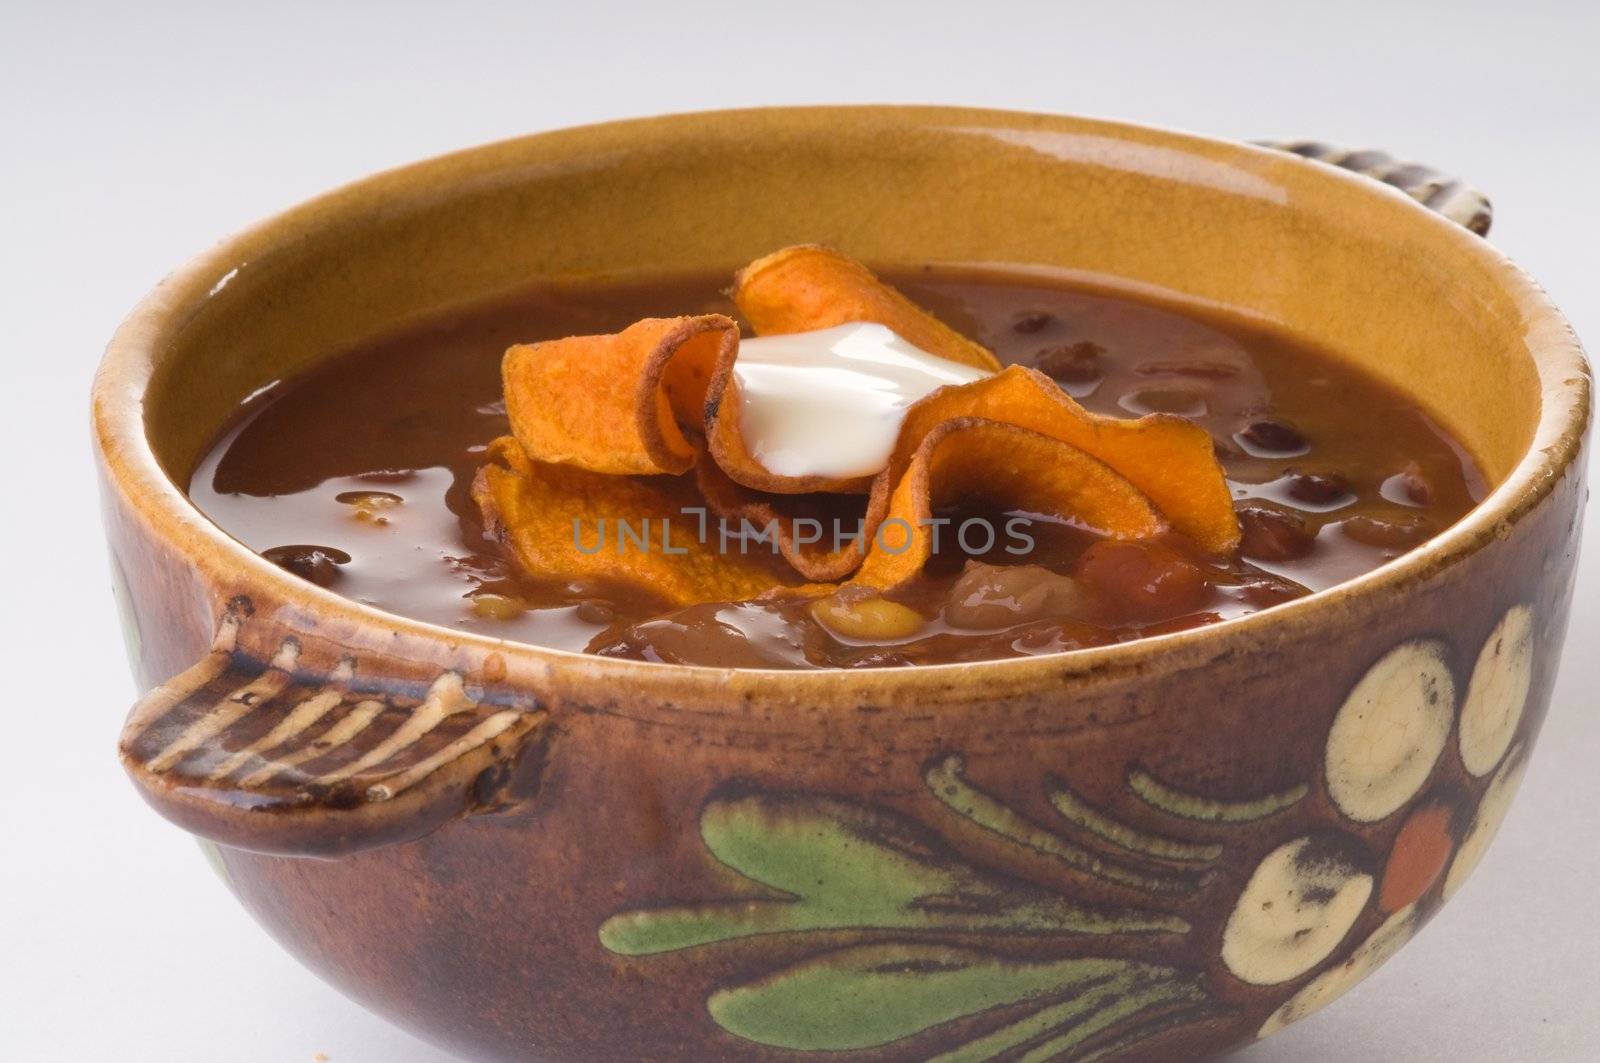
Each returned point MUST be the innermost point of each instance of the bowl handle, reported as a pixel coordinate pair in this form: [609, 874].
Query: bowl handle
[1450, 196]
[248, 750]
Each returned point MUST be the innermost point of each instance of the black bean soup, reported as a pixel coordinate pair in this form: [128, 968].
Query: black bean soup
[357, 477]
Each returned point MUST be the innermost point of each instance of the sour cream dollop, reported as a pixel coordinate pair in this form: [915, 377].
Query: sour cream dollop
[830, 402]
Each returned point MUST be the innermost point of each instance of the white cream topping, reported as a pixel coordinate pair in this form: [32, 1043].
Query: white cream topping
[830, 402]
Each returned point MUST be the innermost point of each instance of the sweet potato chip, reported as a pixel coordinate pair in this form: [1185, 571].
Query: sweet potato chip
[636, 402]
[809, 287]
[966, 460]
[605, 426]
[1170, 460]
[617, 404]
[531, 508]
[821, 536]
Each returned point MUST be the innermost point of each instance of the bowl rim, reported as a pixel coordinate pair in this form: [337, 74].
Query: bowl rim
[131, 467]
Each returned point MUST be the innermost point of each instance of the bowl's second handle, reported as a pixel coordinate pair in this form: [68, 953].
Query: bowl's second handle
[1450, 196]
[259, 754]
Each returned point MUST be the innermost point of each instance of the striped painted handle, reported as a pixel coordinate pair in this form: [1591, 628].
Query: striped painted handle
[1450, 196]
[260, 755]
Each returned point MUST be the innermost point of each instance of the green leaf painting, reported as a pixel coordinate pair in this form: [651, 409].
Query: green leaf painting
[947, 780]
[839, 865]
[877, 994]
[933, 927]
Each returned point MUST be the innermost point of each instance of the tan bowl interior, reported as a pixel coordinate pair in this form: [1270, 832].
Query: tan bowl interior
[1331, 257]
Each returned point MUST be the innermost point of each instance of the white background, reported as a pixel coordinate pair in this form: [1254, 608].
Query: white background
[134, 134]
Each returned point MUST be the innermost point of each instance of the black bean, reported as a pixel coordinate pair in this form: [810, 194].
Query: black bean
[1408, 487]
[1266, 591]
[591, 611]
[1030, 321]
[1399, 532]
[1267, 436]
[319, 564]
[1076, 363]
[1273, 535]
[1318, 488]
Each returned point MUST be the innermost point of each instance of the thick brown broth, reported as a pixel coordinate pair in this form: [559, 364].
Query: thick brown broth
[370, 459]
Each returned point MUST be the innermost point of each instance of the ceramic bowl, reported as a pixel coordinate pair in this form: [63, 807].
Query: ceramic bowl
[1164, 848]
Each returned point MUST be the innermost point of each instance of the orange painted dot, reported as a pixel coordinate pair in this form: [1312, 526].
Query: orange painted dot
[1421, 851]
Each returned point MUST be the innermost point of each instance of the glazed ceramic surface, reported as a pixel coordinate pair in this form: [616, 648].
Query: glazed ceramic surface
[1161, 849]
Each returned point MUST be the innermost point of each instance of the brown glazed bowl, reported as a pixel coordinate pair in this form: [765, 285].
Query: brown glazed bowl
[1159, 849]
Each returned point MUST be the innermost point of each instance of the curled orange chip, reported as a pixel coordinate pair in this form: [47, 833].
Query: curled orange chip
[966, 460]
[617, 404]
[605, 426]
[636, 402]
[1170, 460]
[809, 287]
[565, 523]
[819, 535]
